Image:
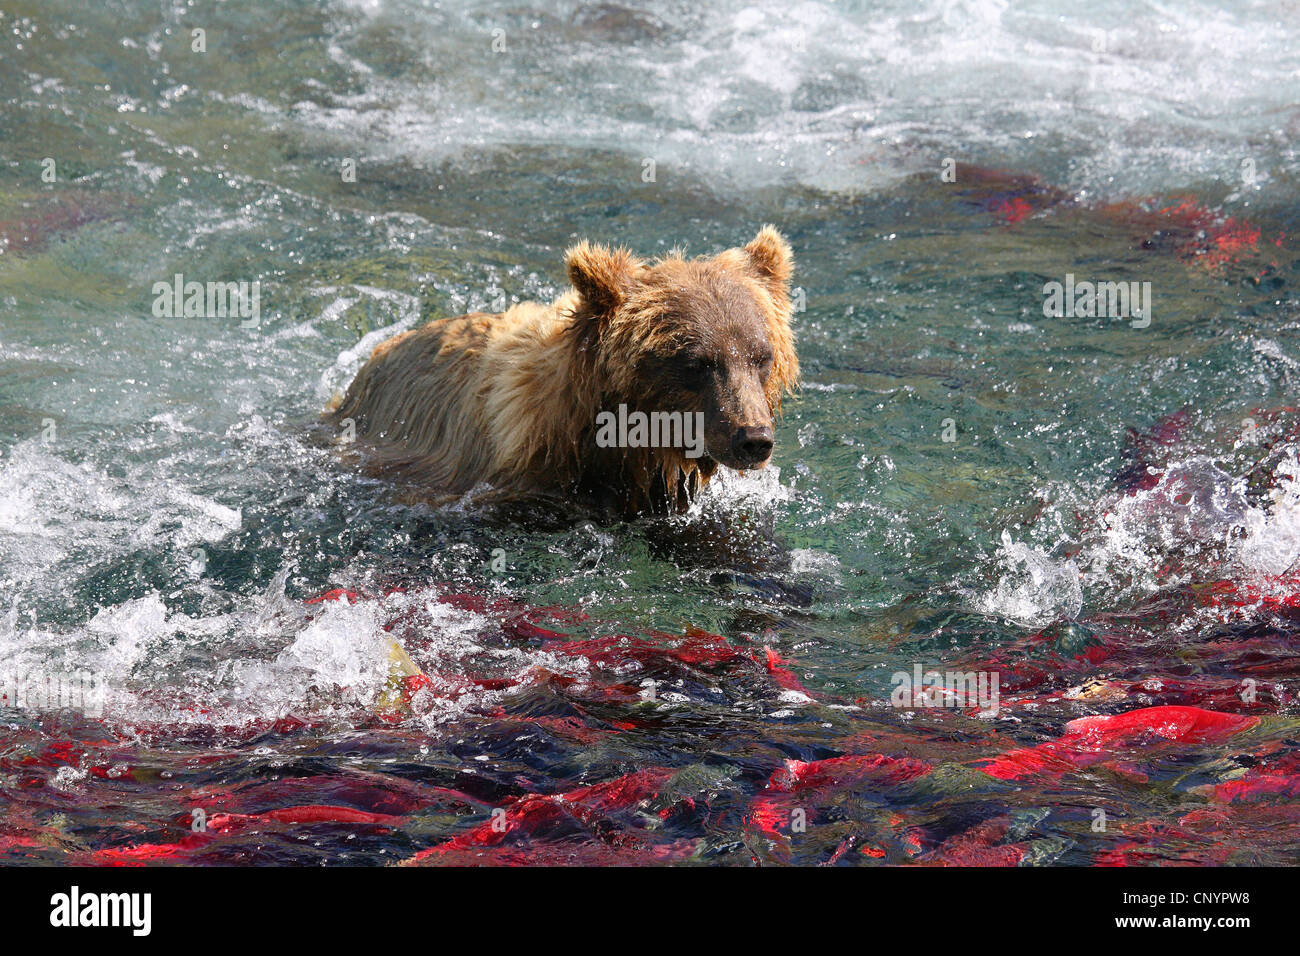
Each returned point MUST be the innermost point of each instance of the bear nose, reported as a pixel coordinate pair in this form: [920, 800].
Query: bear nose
[753, 443]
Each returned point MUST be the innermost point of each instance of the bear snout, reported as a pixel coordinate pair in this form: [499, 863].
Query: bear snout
[752, 444]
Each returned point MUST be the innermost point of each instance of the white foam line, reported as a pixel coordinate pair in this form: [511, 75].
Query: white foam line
[349, 360]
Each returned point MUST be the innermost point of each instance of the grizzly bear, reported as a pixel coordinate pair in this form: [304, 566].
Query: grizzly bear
[694, 353]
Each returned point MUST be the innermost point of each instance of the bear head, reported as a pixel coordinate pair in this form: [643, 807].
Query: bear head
[709, 335]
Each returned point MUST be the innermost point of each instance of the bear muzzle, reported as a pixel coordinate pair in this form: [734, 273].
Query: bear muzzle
[751, 445]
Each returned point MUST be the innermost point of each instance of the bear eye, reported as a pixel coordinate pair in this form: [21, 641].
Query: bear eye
[763, 360]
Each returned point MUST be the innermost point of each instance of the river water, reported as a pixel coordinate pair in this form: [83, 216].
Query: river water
[1102, 512]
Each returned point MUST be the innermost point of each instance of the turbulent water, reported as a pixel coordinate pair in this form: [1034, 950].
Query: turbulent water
[1102, 512]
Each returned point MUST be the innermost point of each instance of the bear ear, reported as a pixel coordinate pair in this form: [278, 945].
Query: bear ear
[602, 276]
[771, 257]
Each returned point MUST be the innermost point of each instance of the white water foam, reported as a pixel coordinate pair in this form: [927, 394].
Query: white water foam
[337, 377]
[1194, 525]
[273, 657]
[51, 508]
[1037, 589]
[728, 489]
[1271, 545]
[757, 92]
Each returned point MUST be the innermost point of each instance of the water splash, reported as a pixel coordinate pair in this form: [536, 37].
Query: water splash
[1036, 590]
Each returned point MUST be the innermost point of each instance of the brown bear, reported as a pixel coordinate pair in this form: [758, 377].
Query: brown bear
[624, 394]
